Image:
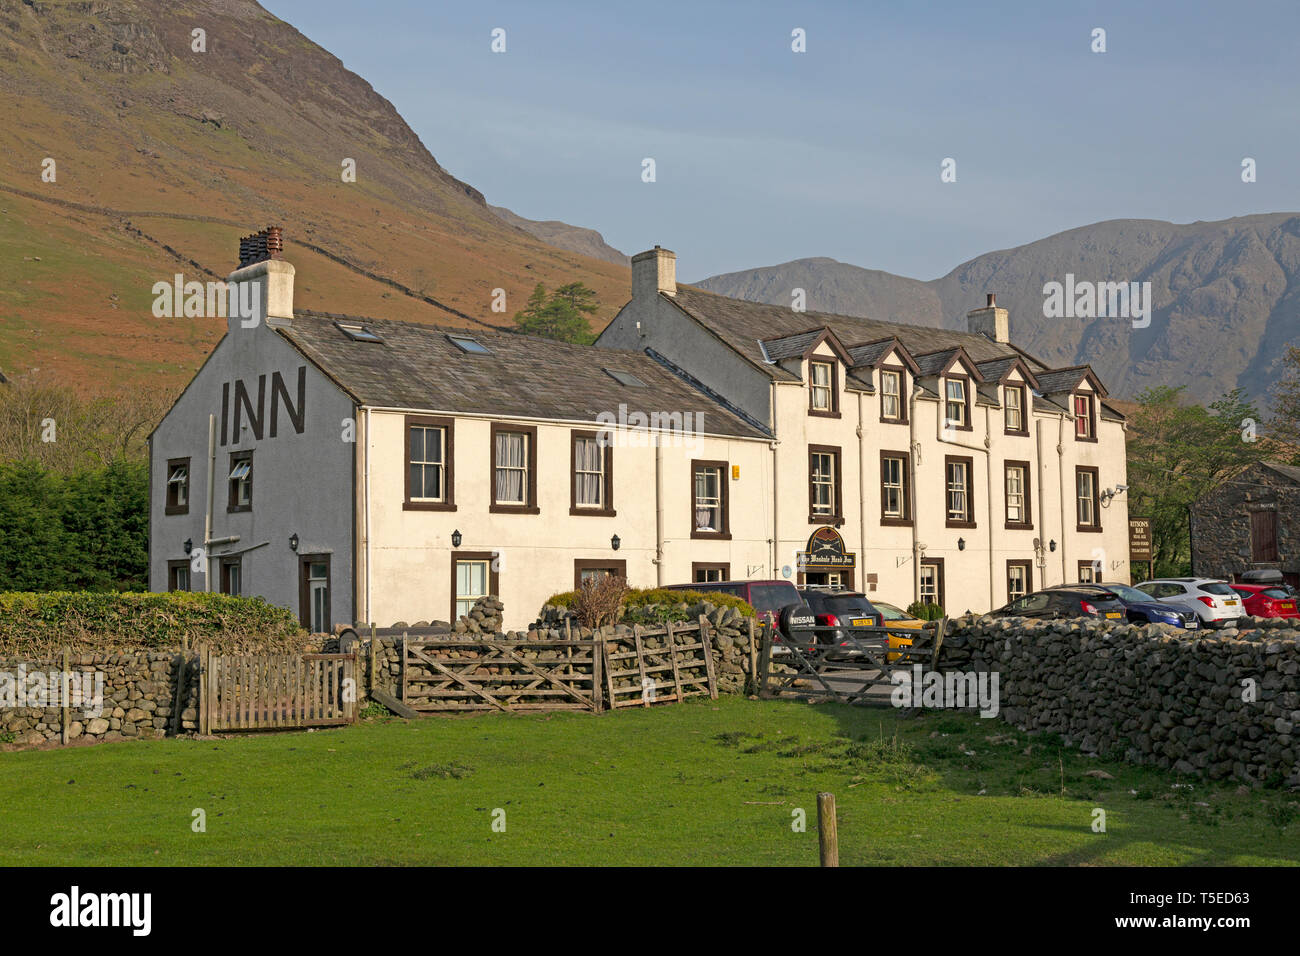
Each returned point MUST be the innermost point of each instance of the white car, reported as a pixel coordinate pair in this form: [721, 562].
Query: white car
[1212, 600]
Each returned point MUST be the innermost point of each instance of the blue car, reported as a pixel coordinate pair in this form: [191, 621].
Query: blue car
[1141, 608]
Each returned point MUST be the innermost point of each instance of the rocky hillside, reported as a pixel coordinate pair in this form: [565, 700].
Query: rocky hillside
[163, 155]
[1226, 294]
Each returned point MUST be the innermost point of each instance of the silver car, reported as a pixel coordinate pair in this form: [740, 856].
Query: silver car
[1212, 600]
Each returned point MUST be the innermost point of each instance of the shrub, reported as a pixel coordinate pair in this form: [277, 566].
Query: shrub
[107, 619]
[925, 612]
[600, 599]
[637, 600]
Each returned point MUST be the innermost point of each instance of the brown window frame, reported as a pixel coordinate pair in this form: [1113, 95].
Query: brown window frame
[619, 567]
[1026, 508]
[494, 576]
[905, 521]
[1096, 499]
[448, 425]
[837, 517]
[226, 564]
[1028, 565]
[171, 507]
[724, 499]
[834, 410]
[722, 567]
[938, 581]
[901, 372]
[529, 507]
[967, 402]
[1023, 392]
[602, 437]
[232, 493]
[1090, 566]
[172, 567]
[969, 462]
[1092, 415]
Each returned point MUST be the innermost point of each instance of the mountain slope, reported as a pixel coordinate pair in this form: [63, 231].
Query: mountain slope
[1226, 294]
[164, 156]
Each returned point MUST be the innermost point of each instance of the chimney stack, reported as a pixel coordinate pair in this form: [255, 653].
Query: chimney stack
[990, 321]
[268, 295]
[654, 271]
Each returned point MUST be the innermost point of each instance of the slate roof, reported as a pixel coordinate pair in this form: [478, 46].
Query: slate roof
[1063, 380]
[871, 353]
[790, 346]
[742, 324]
[418, 367]
[1288, 471]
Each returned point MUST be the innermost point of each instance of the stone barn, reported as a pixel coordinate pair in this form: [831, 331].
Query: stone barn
[1250, 523]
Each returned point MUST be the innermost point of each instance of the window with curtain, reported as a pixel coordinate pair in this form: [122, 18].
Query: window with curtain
[1014, 408]
[820, 382]
[1015, 494]
[589, 467]
[891, 407]
[512, 468]
[958, 500]
[956, 409]
[1086, 483]
[708, 499]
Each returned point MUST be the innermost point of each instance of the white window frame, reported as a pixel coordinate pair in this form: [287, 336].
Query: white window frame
[819, 387]
[823, 479]
[438, 464]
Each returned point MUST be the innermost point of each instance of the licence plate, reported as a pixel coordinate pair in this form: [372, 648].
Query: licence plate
[863, 621]
[1230, 603]
[1114, 614]
[1287, 606]
[1192, 625]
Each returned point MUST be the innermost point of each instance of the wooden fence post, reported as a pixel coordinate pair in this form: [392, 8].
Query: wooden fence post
[828, 836]
[940, 630]
[204, 716]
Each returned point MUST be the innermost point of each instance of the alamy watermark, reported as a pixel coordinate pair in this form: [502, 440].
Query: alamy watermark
[208, 300]
[80, 690]
[638, 429]
[1083, 299]
[969, 690]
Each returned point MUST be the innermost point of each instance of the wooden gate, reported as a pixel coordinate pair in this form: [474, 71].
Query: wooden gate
[483, 673]
[660, 665]
[276, 691]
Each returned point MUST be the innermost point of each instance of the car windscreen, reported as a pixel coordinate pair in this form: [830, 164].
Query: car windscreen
[1274, 593]
[845, 604]
[891, 613]
[1126, 593]
[1217, 587]
[772, 597]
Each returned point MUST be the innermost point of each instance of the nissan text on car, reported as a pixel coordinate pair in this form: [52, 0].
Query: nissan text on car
[1213, 601]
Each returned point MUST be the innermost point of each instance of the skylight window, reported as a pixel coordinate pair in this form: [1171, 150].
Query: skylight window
[625, 378]
[358, 332]
[467, 344]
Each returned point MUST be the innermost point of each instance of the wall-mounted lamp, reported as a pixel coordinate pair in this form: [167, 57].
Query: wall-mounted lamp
[293, 541]
[189, 545]
[961, 544]
[1110, 493]
[455, 539]
[1052, 545]
[614, 542]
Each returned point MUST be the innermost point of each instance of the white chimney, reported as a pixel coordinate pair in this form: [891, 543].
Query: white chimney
[990, 321]
[654, 271]
[261, 289]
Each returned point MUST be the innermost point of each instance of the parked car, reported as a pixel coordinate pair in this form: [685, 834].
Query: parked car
[1141, 607]
[768, 598]
[844, 611]
[1213, 601]
[902, 627]
[1272, 600]
[1066, 600]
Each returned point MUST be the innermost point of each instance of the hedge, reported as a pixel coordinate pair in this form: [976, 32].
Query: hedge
[639, 598]
[128, 619]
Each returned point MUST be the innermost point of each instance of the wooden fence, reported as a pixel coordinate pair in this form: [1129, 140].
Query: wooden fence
[658, 666]
[487, 673]
[276, 691]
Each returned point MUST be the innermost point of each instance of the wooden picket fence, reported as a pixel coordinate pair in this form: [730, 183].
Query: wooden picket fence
[276, 691]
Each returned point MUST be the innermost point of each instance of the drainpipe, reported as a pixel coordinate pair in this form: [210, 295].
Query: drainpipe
[1060, 467]
[365, 482]
[659, 508]
[207, 518]
[776, 510]
[862, 502]
[988, 483]
[1042, 503]
[913, 458]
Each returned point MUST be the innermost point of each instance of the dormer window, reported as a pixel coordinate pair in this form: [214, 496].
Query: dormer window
[957, 406]
[891, 395]
[1085, 422]
[1013, 410]
[821, 388]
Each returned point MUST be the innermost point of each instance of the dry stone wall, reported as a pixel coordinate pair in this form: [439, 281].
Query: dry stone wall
[1219, 703]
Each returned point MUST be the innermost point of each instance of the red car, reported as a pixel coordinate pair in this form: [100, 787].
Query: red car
[1262, 600]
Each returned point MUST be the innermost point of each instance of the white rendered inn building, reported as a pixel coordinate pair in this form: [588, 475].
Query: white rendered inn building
[368, 470]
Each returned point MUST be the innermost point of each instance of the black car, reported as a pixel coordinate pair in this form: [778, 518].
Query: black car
[845, 611]
[1063, 601]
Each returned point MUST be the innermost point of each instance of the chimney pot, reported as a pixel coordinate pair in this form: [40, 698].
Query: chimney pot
[993, 300]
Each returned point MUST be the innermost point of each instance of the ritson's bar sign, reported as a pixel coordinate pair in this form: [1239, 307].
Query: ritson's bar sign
[237, 405]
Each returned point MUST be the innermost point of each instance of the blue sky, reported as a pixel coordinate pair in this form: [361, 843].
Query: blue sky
[765, 155]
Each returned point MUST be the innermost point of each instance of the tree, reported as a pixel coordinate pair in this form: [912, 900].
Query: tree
[560, 315]
[1178, 453]
[1284, 426]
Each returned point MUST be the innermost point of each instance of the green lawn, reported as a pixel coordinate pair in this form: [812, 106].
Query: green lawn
[708, 782]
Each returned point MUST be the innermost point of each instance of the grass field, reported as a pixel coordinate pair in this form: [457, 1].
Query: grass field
[705, 783]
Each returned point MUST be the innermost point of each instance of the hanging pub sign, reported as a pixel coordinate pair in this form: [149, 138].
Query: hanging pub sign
[1139, 539]
[826, 552]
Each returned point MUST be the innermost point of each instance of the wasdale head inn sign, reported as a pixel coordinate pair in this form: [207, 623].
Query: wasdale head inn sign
[369, 470]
